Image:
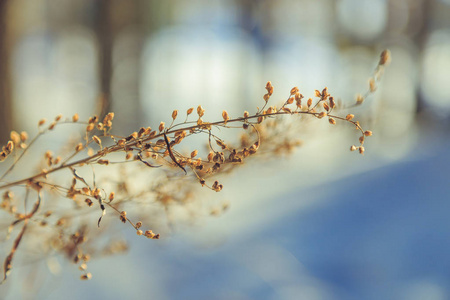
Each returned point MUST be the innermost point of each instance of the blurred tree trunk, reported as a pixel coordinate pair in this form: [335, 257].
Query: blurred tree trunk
[104, 34]
[5, 80]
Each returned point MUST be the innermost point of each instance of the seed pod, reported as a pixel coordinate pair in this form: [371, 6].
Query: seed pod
[353, 148]
[246, 114]
[161, 126]
[189, 111]
[97, 140]
[359, 99]
[349, 117]
[309, 103]
[194, 153]
[90, 127]
[332, 121]
[385, 57]
[225, 116]
[200, 111]
[75, 118]
[15, 137]
[368, 133]
[42, 122]
[174, 114]
[294, 90]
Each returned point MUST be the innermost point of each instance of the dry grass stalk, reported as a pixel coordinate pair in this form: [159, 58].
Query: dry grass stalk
[68, 229]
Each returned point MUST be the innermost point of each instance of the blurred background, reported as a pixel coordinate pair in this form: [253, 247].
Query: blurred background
[322, 224]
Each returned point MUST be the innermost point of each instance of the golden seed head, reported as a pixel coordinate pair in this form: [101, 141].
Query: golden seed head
[75, 118]
[194, 153]
[139, 232]
[349, 117]
[325, 106]
[309, 103]
[174, 114]
[269, 88]
[189, 111]
[266, 97]
[322, 114]
[332, 121]
[290, 100]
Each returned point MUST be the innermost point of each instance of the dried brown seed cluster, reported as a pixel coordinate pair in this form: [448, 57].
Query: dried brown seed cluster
[68, 232]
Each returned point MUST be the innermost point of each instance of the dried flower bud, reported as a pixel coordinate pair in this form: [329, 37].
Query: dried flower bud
[372, 85]
[368, 133]
[322, 114]
[161, 126]
[349, 117]
[24, 136]
[353, 148]
[97, 140]
[9, 146]
[361, 139]
[103, 162]
[79, 147]
[58, 117]
[246, 114]
[309, 103]
[225, 116]
[325, 106]
[290, 100]
[75, 118]
[266, 97]
[15, 137]
[139, 232]
[189, 111]
[42, 122]
[294, 90]
[359, 99]
[317, 93]
[200, 111]
[332, 121]
[269, 88]
[361, 149]
[90, 127]
[325, 93]
[385, 58]
[88, 202]
[86, 276]
[174, 114]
